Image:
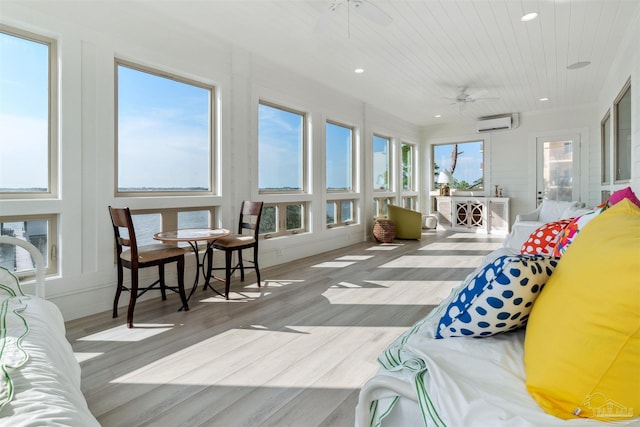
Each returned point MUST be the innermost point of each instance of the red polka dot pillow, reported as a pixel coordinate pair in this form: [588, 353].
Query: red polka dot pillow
[544, 239]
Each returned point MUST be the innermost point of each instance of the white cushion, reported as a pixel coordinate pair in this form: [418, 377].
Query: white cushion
[554, 210]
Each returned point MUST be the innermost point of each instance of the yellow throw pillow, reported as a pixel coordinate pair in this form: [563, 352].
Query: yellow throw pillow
[582, 344]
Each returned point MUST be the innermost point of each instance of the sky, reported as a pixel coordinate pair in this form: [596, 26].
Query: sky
[23, 113]
[280, 150]
[163, 132]
[339, 156]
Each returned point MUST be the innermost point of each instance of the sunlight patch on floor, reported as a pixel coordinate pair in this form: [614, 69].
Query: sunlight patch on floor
[343, 285]
[139, 332]
[236, 297]
[383, 247]
[392, 292]
[444, 261]
[493, 237]
[82, 356]
[354, 258]
[456, 246]
[286, 365]
[334, 264]
[276, 283]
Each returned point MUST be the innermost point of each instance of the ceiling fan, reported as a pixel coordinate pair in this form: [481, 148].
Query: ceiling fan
[364, 7]
[466, 95]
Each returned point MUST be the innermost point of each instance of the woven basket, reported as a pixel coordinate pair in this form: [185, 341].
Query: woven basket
[384, 230]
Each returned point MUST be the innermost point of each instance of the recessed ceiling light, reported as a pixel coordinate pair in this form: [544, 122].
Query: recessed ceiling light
[544, 99]
[359, 70]
[437, 116]
[529, 17]
[578, 65]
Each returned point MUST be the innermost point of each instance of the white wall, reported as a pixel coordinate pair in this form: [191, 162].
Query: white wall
[510, 154]
[626, 65]
[87, 50]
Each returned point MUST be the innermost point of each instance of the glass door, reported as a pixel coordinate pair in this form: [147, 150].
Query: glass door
[558, 168]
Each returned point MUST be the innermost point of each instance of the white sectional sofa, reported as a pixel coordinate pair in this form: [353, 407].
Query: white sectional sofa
[547, 211]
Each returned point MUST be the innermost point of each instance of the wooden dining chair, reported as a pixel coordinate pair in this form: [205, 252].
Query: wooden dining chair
[134, 257]
[246, 238]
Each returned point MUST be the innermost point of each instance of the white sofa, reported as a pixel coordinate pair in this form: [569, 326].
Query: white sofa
[479, 380]
[547, 211]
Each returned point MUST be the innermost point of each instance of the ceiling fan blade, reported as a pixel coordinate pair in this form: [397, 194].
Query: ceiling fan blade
[371, 12]
[327, 16]
[476, 93]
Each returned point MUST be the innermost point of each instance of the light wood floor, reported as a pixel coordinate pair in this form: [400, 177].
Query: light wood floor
[292, 353]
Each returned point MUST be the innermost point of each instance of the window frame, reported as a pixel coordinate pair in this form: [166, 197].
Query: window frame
[380, 204]
[338, 222]
[304, 149]
[352, 154]
[409, 197]
[413, 181]
[436, 186]
[51, 258]
[53, 116]
[281, 219]
[626, 90]
[605, 141]
[212, 191]
[389, 162]
[410, 202]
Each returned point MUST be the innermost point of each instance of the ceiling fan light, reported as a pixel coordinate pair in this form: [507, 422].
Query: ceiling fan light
[529, 17]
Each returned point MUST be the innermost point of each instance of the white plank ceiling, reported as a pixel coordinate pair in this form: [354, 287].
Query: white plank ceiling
[412, 65]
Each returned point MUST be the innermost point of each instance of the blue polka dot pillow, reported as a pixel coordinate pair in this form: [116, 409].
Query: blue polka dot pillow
[498, 298]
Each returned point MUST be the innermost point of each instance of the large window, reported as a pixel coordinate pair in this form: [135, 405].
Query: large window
[409, 193]
[605, 137]
[282, 169]
[28, 146]
[164, 133]
[28, 115]
[408, 181]
[462, 164]
[381, 163]
[339, 171]
[339, 157]
[622, 135]
[281, 142]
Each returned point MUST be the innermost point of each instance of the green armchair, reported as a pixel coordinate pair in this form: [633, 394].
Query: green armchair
[408, 223]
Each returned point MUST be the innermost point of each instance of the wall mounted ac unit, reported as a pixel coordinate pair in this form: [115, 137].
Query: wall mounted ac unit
[490, 124]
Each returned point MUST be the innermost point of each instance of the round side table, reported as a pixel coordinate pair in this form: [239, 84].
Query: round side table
[384, 230]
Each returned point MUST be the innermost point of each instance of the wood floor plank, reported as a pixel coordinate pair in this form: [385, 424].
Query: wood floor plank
[292, 353]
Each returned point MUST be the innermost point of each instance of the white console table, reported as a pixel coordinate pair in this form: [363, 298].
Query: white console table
[474, 214]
